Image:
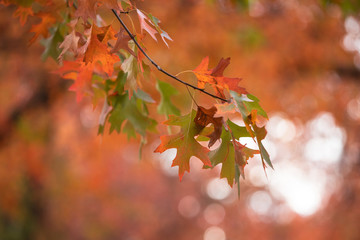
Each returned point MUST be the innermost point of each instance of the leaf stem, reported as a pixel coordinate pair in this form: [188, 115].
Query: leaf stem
[157, 66]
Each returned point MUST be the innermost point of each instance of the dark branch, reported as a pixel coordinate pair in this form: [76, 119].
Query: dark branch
[157, 66]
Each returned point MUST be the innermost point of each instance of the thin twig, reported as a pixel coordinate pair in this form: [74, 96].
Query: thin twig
[157, 66]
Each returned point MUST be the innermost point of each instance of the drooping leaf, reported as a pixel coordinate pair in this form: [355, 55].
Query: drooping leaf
[131, 68]
[144, 25]
[242, 155]
[165, 106]
[249, 106]
[184, 142]
[206, 116]
[155, 22]
[225, 154]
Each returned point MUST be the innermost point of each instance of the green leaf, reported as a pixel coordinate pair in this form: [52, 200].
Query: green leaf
[184, 142]
[237, 179]
[129, 130]
[237, 130]
[264, 155]
[225, 154]
[126, 109]
[120, 82]
[247, 104]
[144, 96]
[165, 106]
[51, 45]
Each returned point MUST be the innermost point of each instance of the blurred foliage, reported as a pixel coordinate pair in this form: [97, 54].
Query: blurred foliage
[58, 180]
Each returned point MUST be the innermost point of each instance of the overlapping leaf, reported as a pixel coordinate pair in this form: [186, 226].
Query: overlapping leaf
[215, 77]
[206, 116]
[184, 142]
[97, 50]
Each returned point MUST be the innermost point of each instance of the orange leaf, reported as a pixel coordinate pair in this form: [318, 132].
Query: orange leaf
[80, 73]
[42, 28]
[215, 77]
[97, 50]
[23, 13]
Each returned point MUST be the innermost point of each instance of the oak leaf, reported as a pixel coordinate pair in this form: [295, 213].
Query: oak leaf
[23, 13]
[215, 77]
[184, 142]
[70, 43]
[87, 8]
[144, 25]
[206, 116]
[122, 42]
[42, 28]
[97, 50]
[80, 73]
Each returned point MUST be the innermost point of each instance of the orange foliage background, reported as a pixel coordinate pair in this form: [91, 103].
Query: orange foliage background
[59, 180]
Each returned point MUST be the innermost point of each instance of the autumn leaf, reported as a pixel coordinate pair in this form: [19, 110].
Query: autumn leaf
[249, 108]
[80, 73]
[70, 43]
[87, 8]
[164, 35]
[242, 155]
[23, 13]
[206, 116]
[184, 142]
[97, 50]
[215, 77]
[122, 42]
[144, 25]
[42, 28]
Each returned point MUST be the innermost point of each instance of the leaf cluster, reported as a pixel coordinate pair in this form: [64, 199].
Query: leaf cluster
[111, 66]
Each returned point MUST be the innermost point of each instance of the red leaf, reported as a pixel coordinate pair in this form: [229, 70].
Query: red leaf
[206, 116]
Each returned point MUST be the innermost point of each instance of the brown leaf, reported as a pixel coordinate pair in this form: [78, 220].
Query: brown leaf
[206, 116]
[122, 42]
[70, 43]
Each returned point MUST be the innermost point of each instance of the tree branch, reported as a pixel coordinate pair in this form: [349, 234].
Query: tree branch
[157, 66]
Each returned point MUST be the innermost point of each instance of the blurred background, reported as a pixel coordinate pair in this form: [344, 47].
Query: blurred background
[59, 180]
